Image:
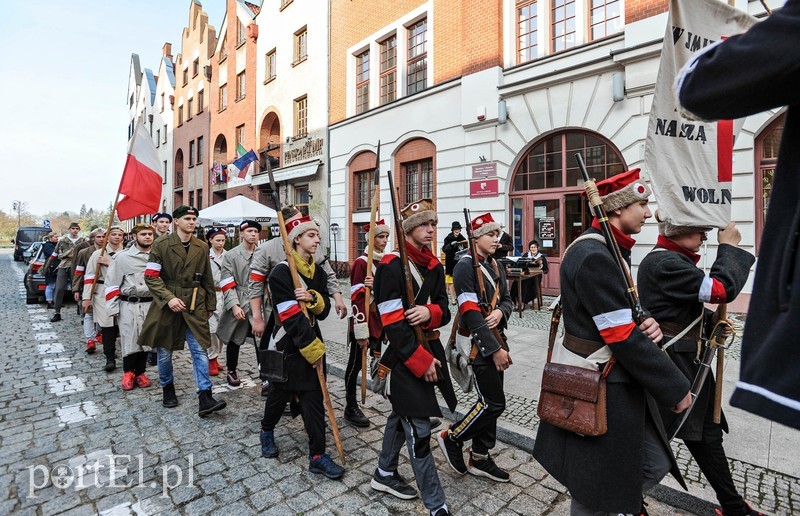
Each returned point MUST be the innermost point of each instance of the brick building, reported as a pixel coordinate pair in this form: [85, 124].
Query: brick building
[192, 110]
[482, 104]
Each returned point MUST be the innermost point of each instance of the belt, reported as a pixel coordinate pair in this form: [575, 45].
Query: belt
[671, 329]
[100, 282]
[135, 299]
[581, 346]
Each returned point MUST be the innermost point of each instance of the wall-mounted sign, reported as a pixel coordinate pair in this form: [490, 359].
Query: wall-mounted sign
[302, 150]
[484, 170]
[484, 188]
[547, 228]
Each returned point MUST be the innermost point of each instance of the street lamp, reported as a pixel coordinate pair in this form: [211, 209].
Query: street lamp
[335, 231]
[275, 230]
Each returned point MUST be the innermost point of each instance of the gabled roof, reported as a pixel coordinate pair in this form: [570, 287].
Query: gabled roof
[169, 68]
[151, 82]
[136, 73]
[255, 9]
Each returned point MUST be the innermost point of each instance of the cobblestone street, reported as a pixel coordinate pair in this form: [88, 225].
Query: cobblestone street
[63, 421]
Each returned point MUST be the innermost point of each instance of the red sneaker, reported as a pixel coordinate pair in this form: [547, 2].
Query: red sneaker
[91, 347]
[128, 379]
[99, 338]
[213, 367]
[143, 381]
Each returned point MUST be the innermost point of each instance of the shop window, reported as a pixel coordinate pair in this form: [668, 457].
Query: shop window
[767, 146]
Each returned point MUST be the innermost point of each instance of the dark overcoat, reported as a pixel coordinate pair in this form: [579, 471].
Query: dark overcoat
[171, 273]
[605, 472]
[747, 74]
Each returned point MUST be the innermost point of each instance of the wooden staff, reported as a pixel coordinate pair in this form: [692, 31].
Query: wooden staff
[376, 200]
[287, 247]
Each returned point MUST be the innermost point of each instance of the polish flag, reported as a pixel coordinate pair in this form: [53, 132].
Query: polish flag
[141, 182]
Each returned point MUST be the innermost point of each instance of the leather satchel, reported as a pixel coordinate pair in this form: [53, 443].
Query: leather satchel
[572, 398]
[273, 365]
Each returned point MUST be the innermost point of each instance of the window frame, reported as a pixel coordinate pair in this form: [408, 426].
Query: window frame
[191, 153]
[761, 164]
[271, 65]
[388, 69]
[300, 46]
[519, 6]
[416, 61]
[241, 85]
[301, 116]
[362, 81]
[200, 99]
[223, 98]
[199, 158]
[241, 33]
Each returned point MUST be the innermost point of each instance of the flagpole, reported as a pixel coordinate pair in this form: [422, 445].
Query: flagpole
[113, 211]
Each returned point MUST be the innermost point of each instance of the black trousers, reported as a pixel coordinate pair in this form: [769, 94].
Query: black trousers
[710, 457]
[352, 371]
[480, 422]
[135, 362]
[110, 335]
[311, 407]
[232, 356]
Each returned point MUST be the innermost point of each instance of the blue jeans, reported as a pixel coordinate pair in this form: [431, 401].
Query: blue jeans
[49, 289]
[199, 364]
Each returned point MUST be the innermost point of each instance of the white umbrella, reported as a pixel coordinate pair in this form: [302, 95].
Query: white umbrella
[234, 211]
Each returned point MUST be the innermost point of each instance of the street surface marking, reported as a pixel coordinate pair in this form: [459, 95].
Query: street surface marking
[76, 413]
[42, 326]
[52, 364]
[46, 336]
[50, 347]
[66, 385]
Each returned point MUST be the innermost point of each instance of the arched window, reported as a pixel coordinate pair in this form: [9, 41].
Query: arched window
[361, 172]
[415, 163]
[767, 145]
[270, 141]
[179, 169]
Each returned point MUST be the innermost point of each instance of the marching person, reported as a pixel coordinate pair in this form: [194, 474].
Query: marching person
[597, 320]
[674, 289]
[300, 339]
[180, 281]
[94, 277]
[410, 384]
[162, 222]
[265, 258]
[65, 252]
[489, 356]
[362, 334]
[128, 299]
[90, 329]
[453, 243]
[234, 320]
[216, 254]
[51, 274]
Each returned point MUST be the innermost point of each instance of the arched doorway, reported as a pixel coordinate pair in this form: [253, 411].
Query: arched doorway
[767, 145]
[545, 194]
[270, 141]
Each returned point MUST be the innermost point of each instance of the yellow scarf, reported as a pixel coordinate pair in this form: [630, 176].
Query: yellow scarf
[306, 268]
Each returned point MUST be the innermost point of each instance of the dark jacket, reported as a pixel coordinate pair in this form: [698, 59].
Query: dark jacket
[719, 87]
[450, 247]
[409, 393]
[674, 289]
[51, 273]
[605, 473]
[506, 246]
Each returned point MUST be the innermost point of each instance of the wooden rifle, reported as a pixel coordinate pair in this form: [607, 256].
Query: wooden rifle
[480, 286]
[287, 247]
[376, 201]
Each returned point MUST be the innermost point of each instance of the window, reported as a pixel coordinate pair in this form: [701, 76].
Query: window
[199, 149]
[362, 82]
[417, 75]
[164, 177]
[562, 23]
[200, 98]
[301, 198]
[241, 33]
[223, 97]
[162, 102]
[361, 239]
[418, 180]
[301, 116]
[158, 138]
[191, 198]
[185, 76]
[130, 102]
[364, 185]
[191, 154]
[388, 69]
[240, 135]
[180, 116]
[272, 65]
[300, 46]
[179, 169]
[604, 18]
[223, 49]
[165, 134]
[189, 109]
[195, 67]
[199, 199]
[527, 33]
[767, 145]
[240, 86]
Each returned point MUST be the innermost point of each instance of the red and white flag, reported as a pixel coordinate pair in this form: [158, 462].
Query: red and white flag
[141, 182]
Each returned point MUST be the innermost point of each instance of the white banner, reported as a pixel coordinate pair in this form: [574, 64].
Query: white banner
[690, 162]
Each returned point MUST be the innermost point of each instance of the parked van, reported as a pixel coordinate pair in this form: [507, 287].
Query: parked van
[26, 235]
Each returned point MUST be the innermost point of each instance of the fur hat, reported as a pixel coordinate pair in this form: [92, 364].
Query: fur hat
[183, 210]
[483, 224]
[289, 211]
[669, 230]
[211, 233]
[297, 227]
[418, 213]
[161, 216]
[249, 224]
[142, 227]
[622, 190]
[380, 227]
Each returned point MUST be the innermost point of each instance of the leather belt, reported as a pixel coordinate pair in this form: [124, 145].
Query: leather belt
[100, 282]
[135, 299]
[581, 346]
[671, 329]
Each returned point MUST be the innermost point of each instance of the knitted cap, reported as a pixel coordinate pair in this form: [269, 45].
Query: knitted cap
[418, 213]
[380, 227]
[483, 224]
[669, 230]
[297, 227]
[622, 190]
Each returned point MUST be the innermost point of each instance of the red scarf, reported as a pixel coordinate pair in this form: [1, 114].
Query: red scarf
[623, 240]
[669, 245]
[422, 257]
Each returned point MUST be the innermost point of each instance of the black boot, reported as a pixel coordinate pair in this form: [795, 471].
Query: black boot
[111, 364]
[354, 416]
[152, 358]
[170, 400]
[209, 404]
[56, 317]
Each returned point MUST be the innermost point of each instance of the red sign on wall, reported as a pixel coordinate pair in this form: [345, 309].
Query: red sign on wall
[483, 188]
